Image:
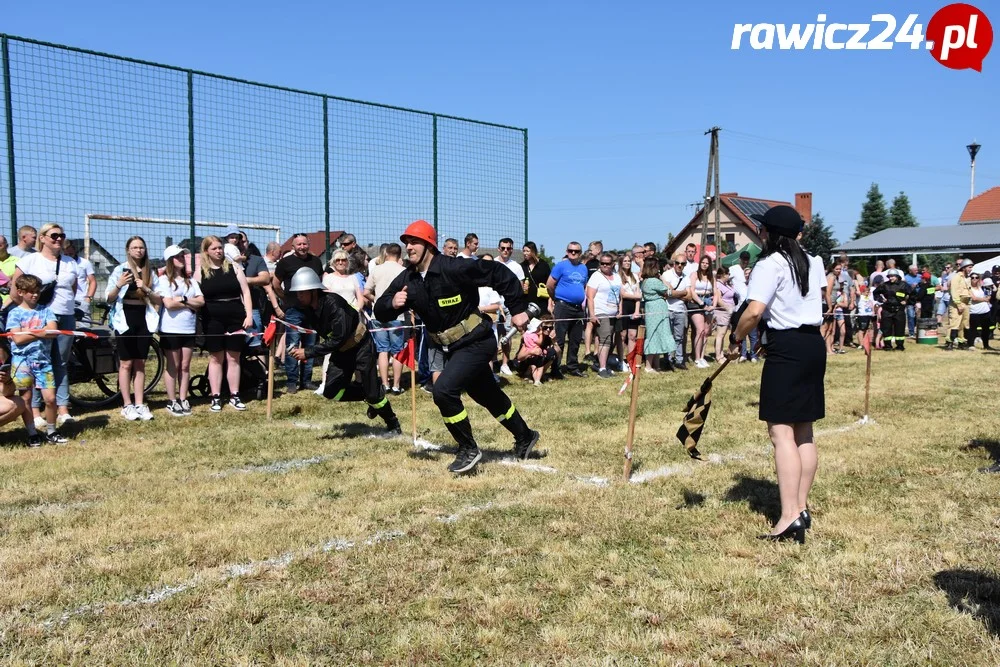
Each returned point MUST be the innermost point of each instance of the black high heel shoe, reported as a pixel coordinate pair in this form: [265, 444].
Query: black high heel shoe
[806, 518]
[796, 531]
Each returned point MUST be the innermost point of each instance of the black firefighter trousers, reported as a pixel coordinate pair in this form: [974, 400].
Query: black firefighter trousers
[341, 387]
[470, 369]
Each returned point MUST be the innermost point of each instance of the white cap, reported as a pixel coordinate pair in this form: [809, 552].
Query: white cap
[172, 251]
[533, 325]
[987, 282]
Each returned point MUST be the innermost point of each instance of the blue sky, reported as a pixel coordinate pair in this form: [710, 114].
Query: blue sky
[616, 96]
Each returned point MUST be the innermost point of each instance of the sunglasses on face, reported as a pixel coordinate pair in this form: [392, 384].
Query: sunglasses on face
[607, 263]
[680, 263]
[338, 261]
[546, 328]
[572, 251]
[57, 237]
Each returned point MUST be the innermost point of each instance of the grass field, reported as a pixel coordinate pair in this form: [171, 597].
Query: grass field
[226, 538]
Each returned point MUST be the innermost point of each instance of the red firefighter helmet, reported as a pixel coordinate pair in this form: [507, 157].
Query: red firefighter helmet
[422, 230]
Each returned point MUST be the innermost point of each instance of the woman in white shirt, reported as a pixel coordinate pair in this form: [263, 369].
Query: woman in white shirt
[979, 313]
[182, 298]
[49, 266]
[342, 282]
[701, 302]
[786, 292]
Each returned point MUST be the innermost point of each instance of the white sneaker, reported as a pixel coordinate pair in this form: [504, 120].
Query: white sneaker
[40, 424]
[129, 413]
[64, 419]
[505, 370]
[623, 367]
[143, 411]
[701, 363]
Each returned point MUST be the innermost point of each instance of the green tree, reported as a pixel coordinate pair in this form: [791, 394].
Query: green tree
[900, 214]
[548, 258]
[874, 217]
[817, 238]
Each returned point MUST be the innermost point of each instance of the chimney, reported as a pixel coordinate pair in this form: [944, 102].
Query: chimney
[804, 205]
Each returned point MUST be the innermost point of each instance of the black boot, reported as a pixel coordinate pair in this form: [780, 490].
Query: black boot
[468, 451]
[387, 414]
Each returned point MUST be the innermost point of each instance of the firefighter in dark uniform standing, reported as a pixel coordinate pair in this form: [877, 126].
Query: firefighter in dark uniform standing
[444, 293]
[344, 336]
[923, 296]
[893, 295]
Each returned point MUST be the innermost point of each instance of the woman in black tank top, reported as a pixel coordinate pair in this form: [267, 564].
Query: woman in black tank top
[227, 309]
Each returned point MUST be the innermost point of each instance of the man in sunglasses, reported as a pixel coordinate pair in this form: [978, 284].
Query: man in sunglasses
[348, 242]
[567, 284]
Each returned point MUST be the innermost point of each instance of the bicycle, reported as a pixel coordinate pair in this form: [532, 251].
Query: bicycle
[93, 364]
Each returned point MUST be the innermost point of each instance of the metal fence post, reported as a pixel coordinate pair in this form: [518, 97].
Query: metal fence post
[190, 78]
[326, 175]
[9, 111]
[525, 184]
[435, 126]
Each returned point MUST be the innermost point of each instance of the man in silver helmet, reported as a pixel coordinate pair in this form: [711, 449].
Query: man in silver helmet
[344, 336]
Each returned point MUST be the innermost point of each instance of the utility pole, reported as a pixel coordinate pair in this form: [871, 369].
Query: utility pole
[713, 171]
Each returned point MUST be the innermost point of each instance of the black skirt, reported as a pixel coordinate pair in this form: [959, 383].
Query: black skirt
[791, 384]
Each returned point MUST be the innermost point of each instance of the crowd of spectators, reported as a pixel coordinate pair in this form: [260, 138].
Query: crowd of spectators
[596, 299]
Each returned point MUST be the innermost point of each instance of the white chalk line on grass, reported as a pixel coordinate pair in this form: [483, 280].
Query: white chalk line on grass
[593, 480]
[278, 467]
[718, 459]
[45, 508]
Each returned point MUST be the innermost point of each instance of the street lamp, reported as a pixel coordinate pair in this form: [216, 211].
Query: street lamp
[973, 150]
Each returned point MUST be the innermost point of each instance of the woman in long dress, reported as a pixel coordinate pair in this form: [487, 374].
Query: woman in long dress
[659, 337]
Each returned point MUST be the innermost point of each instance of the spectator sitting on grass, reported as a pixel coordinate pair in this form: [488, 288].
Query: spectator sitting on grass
[538, 349]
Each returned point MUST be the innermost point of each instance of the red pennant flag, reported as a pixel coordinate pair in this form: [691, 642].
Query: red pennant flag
[866, 343]
[405, 356]
[269, 332]
[632, 357]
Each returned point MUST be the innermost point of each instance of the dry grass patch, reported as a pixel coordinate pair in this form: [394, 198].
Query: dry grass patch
[228, 538]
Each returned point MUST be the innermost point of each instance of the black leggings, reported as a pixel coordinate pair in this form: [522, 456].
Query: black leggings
[979, 327]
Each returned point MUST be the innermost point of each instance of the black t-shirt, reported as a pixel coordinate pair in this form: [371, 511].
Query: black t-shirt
[255, 266]
[288, 265]
[593, 266]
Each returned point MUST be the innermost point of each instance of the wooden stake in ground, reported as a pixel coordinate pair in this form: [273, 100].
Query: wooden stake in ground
[413, 386]
[270, 376]
[638, 361]
[866, 343]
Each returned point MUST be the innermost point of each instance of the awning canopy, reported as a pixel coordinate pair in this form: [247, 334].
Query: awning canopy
[944, 240]
[733, 258]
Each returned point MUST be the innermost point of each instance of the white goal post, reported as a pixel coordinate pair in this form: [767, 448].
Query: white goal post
[186, 224]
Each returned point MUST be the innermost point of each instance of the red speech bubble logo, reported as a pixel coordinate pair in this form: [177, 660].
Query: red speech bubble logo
[960, 36]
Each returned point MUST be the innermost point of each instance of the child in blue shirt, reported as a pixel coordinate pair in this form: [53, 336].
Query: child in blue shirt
[31, 356]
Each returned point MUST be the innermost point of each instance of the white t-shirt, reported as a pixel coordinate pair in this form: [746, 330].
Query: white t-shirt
[739, 282]
[690, 268]
[36, 264]
[380, 276]
[515, 267]
[677, 284]
[182, 320]
[83, 269]
[345, 286]
[771, 283]
[18, 252]
[865, 307]
[979, 307]
[609, 293]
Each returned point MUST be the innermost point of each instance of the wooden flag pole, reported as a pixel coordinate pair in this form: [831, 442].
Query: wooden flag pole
[868, 385]
[641, 335]
[270, 376]
[413, 385]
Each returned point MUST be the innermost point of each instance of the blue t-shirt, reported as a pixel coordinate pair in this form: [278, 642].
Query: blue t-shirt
[22, 318]
[912, 281]
[570, 281]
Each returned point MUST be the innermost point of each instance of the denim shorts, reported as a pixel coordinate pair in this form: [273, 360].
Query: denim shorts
[389, 341]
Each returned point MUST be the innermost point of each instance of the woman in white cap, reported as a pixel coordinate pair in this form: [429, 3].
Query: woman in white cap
[182, 298]
[786, 293]
[135, 316]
